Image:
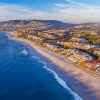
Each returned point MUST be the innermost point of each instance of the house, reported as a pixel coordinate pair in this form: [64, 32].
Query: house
[94, 65]
[51, 35]
[82, 41]
[79, 55]
[63, 43]
[97, 51]
[91, 46]
[54, 47]
[36, 37]
[98, 70]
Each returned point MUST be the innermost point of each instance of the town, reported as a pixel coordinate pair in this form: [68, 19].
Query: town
[80, 46]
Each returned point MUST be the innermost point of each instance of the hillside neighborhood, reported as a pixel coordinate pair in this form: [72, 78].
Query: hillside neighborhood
[81, 46]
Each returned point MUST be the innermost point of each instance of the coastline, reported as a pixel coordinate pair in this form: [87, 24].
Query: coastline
[82, 83]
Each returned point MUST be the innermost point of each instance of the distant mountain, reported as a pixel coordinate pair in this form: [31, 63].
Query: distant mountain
[43, 24]
[38, 24]
[15, 22]
[55, 23]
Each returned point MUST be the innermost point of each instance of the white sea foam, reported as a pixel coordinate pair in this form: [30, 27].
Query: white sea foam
[59, 80]
[63, 83]
[39, 60]
[25, 52]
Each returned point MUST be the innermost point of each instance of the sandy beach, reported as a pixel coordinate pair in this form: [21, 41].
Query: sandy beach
[85, 85]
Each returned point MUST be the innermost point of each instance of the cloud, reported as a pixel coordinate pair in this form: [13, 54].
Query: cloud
[9, 11]
[73, 2]
[73, 11]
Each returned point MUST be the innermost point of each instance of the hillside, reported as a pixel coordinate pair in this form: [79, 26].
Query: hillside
[34, 24]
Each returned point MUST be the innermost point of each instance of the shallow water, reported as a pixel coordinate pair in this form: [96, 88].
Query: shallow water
[23, 77]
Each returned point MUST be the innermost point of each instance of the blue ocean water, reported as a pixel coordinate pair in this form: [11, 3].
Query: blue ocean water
[24, 78]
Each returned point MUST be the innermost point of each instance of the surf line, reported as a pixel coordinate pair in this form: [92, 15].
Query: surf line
[59, 80]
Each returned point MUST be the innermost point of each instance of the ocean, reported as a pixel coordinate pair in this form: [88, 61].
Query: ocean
[24, 77]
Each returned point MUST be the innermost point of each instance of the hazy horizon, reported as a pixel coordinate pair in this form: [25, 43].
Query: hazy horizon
[71, 11]
[52, 20]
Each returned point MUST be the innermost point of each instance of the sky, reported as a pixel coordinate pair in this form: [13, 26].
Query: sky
[72, 11]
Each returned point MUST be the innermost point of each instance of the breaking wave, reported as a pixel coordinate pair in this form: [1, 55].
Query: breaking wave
[59, 80]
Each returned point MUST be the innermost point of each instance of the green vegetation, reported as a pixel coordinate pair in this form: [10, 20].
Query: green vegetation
[63, 45]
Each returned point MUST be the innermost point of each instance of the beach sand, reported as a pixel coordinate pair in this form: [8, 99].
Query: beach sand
[85, 85]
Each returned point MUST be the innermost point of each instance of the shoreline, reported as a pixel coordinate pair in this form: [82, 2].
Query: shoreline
[76, 79]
